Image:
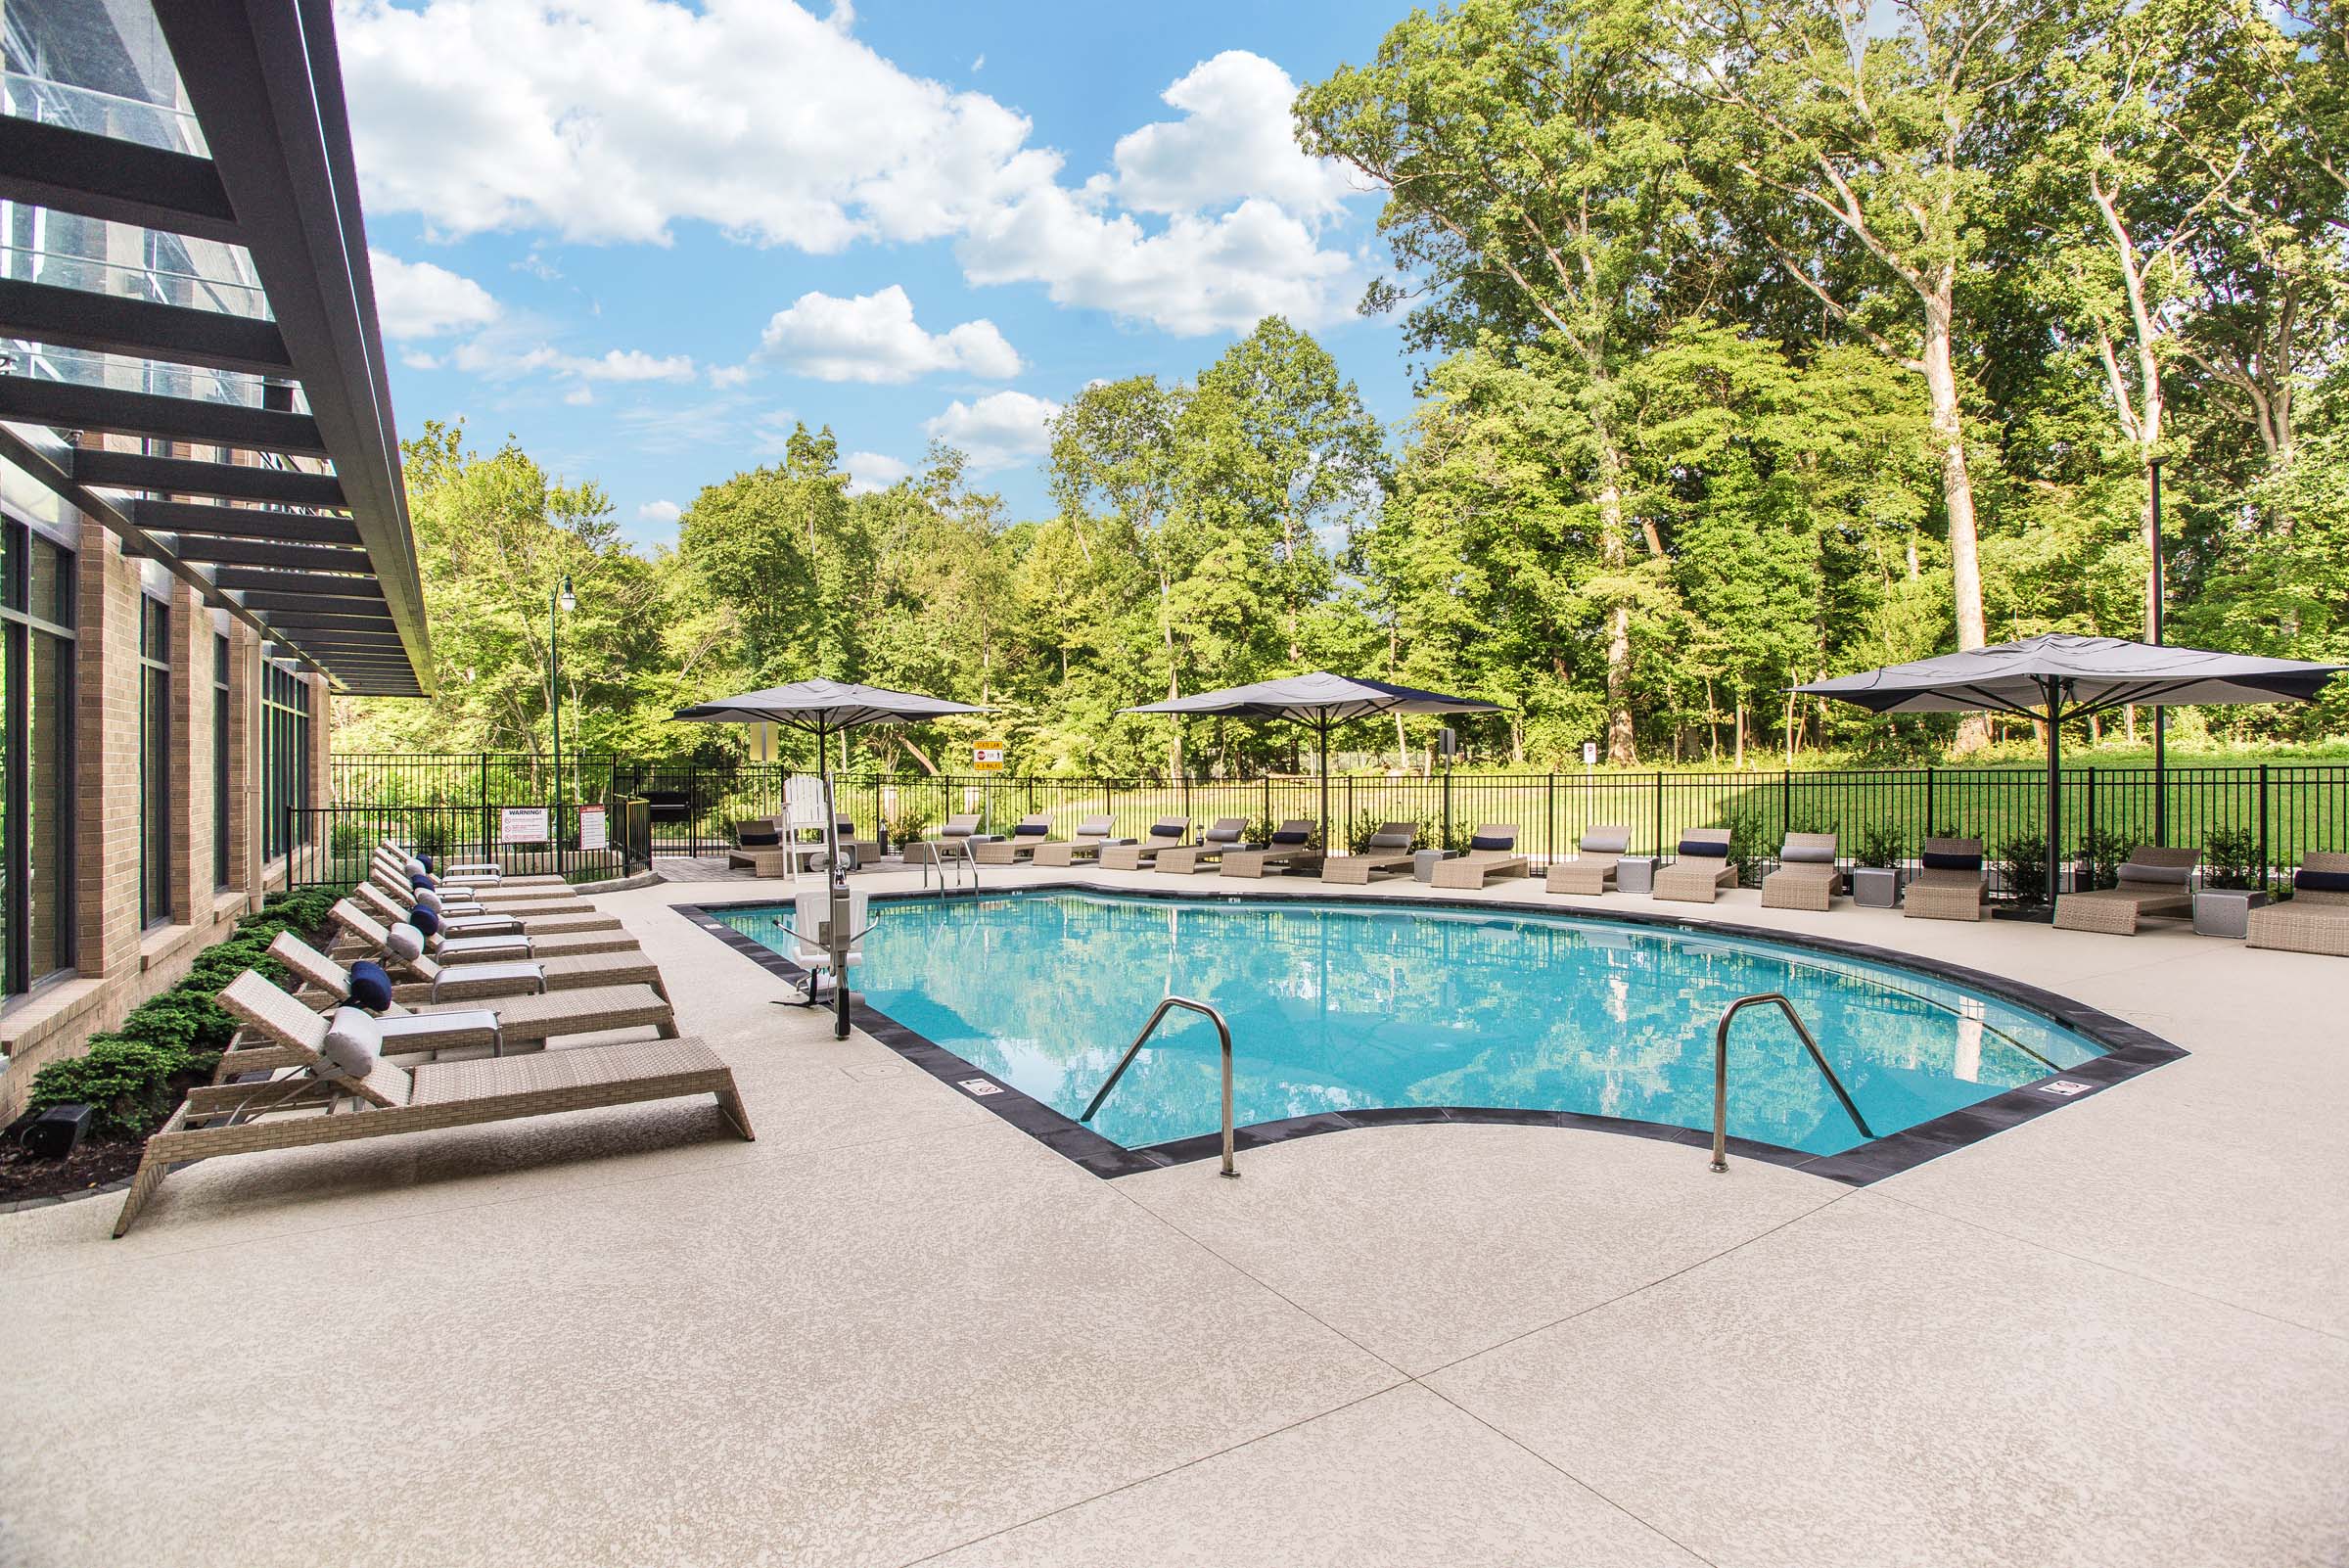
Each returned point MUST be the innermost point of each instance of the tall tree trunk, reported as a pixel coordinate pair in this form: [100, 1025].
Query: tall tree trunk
[1622, 746]
[1958, 499]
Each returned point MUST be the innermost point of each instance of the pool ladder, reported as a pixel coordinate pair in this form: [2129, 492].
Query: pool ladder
[1721, 1069]
[968, 858]
[1223, 1039]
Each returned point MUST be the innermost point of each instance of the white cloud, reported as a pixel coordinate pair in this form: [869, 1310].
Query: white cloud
[580, 396]
[873, 471]
[664, 512]
[874, 338]
[998, 431]
[498, 360]
[979, 64]
[418, 300]
[1235, 142]
[728, 375]
[613, 121]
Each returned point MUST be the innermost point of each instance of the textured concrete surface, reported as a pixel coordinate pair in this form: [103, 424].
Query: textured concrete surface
[897, 1330]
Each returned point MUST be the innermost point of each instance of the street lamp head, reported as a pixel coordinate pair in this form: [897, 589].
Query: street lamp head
[568, 603]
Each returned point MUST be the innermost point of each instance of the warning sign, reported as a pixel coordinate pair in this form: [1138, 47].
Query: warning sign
[987, 757]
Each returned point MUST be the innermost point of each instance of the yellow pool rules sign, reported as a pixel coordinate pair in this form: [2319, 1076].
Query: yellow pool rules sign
[987, 757]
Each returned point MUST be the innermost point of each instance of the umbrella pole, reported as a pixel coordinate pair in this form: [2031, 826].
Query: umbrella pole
[837, 935]
[2054, 787]
[1325, 784]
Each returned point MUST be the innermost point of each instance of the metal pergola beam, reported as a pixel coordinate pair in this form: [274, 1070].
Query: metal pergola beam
[140, 329]
[264, 601]
[240, 521]
[331, 585]
[188, 475]
[265, 82]
[107, 177]
[71, 405]
[267, 553]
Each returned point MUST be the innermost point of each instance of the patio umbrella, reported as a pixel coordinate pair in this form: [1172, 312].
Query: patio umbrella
[2059, 678]
[1318, 700]
[823, 709]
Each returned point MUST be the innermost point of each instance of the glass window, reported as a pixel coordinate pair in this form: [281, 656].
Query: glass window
[36, 783]
[155, 762]
[221, 875]
[286, 762]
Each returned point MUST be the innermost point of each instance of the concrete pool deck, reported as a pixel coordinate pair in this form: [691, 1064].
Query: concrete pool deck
[896, 1329]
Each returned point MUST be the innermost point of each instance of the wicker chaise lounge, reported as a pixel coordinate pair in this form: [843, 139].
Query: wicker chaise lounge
[317, 1097]
[1167, 833]
[1093, 835]
[1291, 850]
[1807, 877]
[2316, 917]
[1225, 833]
[1591, 871]
[505, 1025]
[2154, 880]
[958, 840]
[452, 904]
[418, 978]
[1390, 853]
[469, 870]
[1702, 870]
[360, 934]
[1491, 852]
[395, 874]
[1950, 883]
[501, 924]
[1028, 834]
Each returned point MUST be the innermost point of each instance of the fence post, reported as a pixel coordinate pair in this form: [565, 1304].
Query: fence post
[2263, 827]
[1659, 777]
[483, 853]
[2088, 834]
[1786, 802]
[1549, 816]
[1930, 829]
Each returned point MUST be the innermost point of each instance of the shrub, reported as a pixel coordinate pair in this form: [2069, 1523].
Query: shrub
[904, 825]
[132, 1076]
[1880, 844]
[130, 1083]
[2104, 852]
[1749, 838]
[2231, 860]
[2024, 860]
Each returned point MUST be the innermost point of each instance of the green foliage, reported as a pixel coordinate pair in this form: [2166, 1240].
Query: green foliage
[133, 1074]
[1880, 844]
[2024, 860]
[2231, 860]
[2105, 851]
[905, 823]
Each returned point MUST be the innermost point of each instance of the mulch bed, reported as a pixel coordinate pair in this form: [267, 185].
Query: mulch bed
[93, 1165]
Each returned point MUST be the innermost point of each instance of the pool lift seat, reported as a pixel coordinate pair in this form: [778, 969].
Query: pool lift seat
[812, 947]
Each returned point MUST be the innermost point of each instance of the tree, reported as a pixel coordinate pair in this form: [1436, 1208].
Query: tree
[1535, 185]
[1866, 164]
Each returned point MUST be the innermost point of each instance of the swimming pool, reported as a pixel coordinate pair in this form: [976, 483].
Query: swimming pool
[1348, 1007]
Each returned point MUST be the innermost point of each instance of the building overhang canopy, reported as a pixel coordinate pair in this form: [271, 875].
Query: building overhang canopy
[291, 517]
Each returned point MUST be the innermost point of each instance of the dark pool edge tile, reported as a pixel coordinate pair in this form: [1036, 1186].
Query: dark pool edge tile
[2129, 1052]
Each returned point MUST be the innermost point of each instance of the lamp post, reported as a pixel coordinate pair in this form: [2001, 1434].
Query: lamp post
[2161, 759]
[559, 599]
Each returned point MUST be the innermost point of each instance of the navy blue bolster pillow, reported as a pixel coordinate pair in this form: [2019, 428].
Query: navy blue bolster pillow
[1705, 848]
[1165, 832]
[425, 920]
[426, 861]
[1030, 830]
[370, 985]
[1291, 838]
[1492, 840]
[751, 838]
[2307, 881]
[424, 879]
[1937, 861]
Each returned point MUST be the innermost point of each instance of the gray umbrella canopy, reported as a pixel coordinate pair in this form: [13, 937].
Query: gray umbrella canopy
[822, 707]
[1320, 700]
[2059, 678]
[2083, 674]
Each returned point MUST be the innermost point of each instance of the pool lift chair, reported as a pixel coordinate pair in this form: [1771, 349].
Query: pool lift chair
[827, 924]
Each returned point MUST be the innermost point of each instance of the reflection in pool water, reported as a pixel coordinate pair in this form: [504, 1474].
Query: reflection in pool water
[1347, 1008]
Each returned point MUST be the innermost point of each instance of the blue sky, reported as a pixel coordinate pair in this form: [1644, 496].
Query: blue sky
[644, 238]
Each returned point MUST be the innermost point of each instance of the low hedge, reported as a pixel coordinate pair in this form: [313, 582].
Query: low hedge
[134, 1074]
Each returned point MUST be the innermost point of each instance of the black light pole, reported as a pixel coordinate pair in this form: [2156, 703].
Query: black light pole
[2162, 758]
[561, 599]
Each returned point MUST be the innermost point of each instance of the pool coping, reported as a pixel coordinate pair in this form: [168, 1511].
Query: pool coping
[2130, 1051]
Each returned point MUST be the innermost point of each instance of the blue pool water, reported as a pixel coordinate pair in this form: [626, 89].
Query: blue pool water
[1337, 1007]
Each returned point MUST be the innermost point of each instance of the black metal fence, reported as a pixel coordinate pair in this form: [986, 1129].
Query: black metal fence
[2257, 816]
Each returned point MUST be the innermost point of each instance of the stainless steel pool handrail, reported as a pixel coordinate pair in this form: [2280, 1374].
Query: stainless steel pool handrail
[1223, 1040]
[967, 858]
[1721, 1071]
